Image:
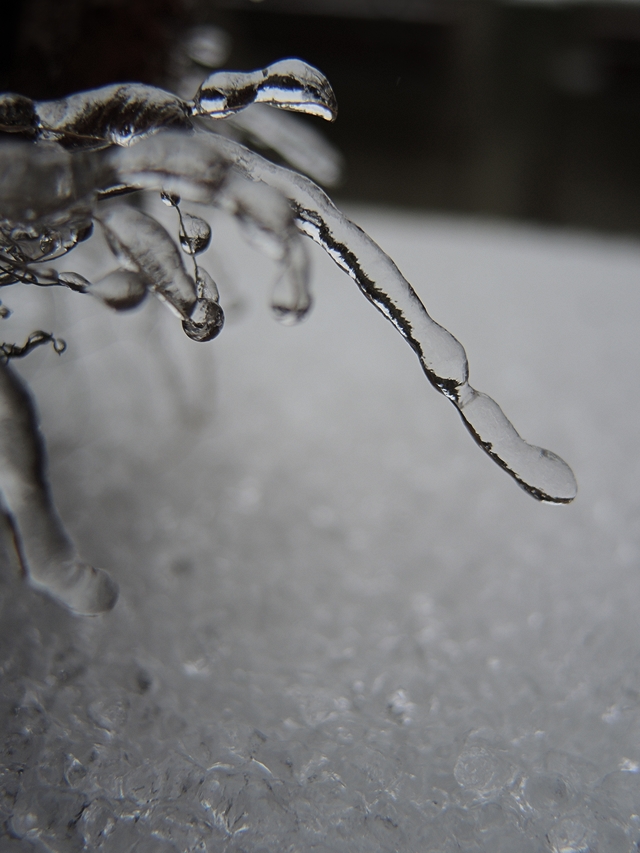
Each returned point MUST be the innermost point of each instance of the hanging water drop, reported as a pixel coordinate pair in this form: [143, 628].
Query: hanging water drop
[195, 234]
[207, 318]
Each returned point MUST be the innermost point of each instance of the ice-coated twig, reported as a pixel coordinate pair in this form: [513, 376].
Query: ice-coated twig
[47, 554]
[35, 339]
[540, 472]
[50, 197]
[125, 112]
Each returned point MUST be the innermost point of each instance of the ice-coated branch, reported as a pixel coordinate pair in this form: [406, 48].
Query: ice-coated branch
[125, 112]
[48, 556]
[144, 247]
[540, 472]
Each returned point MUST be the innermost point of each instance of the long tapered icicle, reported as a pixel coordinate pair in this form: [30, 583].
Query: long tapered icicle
[144, 246]
[540, 472]
[49, 558]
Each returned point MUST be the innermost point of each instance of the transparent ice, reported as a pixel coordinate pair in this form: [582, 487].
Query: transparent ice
[130, 137]
[273, 687]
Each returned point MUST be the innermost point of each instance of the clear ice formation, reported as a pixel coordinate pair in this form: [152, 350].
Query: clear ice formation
[47, 554]
[67, 167]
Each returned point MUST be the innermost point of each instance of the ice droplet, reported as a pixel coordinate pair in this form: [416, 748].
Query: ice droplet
[47, 554]
[540, 472]
[289, 84]
[120, 290]
[17, 113]
[207, 318]
[195, 234]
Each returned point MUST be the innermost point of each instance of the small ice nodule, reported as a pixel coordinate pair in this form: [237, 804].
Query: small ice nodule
[74, 161]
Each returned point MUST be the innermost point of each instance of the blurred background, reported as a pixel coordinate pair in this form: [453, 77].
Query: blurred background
[522, 110]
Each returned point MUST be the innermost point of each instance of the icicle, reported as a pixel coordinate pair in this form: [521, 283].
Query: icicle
[264, 215]
[169, 162]
[42, 186]
[298, 144]
[540, 472]
[143, 246]
[289, 84]
[48, 556]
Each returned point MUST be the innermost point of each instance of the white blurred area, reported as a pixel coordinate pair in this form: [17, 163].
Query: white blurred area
[341, 626]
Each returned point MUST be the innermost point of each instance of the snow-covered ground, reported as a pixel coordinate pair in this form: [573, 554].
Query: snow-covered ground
[341, 626]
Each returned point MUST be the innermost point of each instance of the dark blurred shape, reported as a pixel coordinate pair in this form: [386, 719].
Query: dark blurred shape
[62, 46]
[511, 110]
[399, 10]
